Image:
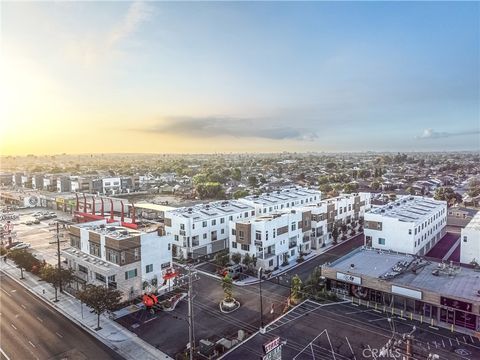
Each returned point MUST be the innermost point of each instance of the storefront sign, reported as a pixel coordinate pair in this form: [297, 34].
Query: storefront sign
[456, 304]
[415, 294]
[349, 278]
[272, 350]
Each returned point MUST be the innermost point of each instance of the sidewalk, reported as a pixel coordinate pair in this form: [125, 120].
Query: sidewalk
[125, 343]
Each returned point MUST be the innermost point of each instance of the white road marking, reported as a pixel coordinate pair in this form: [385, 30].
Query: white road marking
[39, 319]
[6, 292]
[59, 335]
[13, 326]
[31, 343]
[3, 353]
[350, 346]
[384, 318]
[23, 306]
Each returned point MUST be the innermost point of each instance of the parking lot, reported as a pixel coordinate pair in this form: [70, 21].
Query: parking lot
[42, 237]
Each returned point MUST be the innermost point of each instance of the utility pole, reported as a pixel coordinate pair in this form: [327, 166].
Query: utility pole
[191, 338]
[58, 256]
[261, 298]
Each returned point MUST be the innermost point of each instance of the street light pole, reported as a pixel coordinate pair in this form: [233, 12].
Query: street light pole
[58, 256]
[261, 298]
[190, 313]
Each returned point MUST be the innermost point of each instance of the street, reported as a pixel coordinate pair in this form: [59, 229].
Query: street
[30, 329]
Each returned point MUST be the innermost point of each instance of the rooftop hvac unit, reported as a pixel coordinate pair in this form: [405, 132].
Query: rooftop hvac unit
[124, 232]
[102, 226]
[111, 228]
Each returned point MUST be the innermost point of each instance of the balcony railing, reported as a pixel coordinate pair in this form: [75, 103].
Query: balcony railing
[306, 239]
[292, 244]
[265, 256]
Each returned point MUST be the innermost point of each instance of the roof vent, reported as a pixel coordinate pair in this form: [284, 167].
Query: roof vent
[111, 228]
[124, 232]
[352, 266]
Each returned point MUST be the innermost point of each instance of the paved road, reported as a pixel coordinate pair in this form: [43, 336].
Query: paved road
[30, 329]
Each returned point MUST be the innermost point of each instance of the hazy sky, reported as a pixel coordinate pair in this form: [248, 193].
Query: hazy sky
[81, 77]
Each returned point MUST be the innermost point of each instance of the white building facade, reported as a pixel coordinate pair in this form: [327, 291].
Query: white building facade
[411, 225]
[118, 257]
[470, 241]
[274, 239]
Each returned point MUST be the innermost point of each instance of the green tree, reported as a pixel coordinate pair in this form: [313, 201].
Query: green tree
[410, 190]
[240, 194]
[247, 260]
[350, 187]
[375, 185]
[236, 258]
[254, 261]
[325, 188]
[252, 181]
[237, 174]
[335, 234]
[447, 194]
[296, 290]
[100, 299]
[314, 285]
[221, 259]
[56, 277]
[24, 260]
[199, 179]
[210, 190]
[227, 286]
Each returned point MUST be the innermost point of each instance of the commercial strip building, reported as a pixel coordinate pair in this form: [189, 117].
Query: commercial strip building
[470, 241]
[274, 238]
[118, 257]
[409, 286]
[411, 224]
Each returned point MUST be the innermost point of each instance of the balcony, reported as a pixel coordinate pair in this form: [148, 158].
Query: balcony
[292, 244]
[306, 239]
[265, 256]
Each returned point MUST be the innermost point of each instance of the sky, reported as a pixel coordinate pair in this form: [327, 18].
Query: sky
[160, 77]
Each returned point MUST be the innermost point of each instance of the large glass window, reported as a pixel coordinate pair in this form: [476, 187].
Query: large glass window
[130, 274]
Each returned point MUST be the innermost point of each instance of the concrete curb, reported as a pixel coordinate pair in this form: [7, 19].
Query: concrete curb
[105, 341]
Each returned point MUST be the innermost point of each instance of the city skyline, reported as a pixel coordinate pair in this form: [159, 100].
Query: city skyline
[239, 77]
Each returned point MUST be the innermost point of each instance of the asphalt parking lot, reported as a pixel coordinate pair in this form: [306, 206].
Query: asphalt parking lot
[331, 331]
[42, 237]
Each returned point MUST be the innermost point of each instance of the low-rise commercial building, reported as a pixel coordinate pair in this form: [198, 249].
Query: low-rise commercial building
[274, 239]
[119, 257]
[406, 285]
[411, 224]
[470, 241]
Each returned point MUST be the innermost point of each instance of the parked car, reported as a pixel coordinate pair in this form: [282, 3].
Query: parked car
[234, 271]
[22, 245]
[9, 246]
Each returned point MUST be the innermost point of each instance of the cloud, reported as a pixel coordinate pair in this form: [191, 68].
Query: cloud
[229, 126]
[433, 134]
[137, 13]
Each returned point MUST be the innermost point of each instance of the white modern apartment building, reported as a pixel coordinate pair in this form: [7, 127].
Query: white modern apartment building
[109, 254]
[470, 241]
[274, 238]
[411, 225]
[203, 229]
[282, 199]
[339, 210]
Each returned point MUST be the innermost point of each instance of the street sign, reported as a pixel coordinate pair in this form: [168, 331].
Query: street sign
[267, 347]
[275, 354]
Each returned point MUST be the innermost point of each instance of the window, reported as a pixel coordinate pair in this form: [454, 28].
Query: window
[292, 253]
[241, 235]
[230, 218]
[176, 237]
[274, 233]
[234, 244]
[165, 265]
[222, 220]
[205, 235]
[193, 226]
[214, 222]
[122, 257]
[222, 231]
[245, 247]
[130, 274]
[136, 253]
[149, 268]
[381, 241]
[112, 283]
[82, 269]
[204, 224]
[95, 250]
[252, 213]
[270, 263]
[234, 232]
[112, 256]
[182, 226]
[294, 226]
[99, 277]
[246, 214]
[464, 239]
[266, 235]
[409, 231]
[258, 235]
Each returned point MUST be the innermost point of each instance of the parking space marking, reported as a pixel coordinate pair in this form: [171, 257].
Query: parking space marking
[13, 326]
[39, 319]
[6, 292]
[59, 335]
[33, 345]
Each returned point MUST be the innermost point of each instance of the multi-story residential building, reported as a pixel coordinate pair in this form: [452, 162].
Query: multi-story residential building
[339, 210]
[274, 239]
[470, 241]
[64, 184]
[6, 179]
[111, 185]
[203, 229]
[118, 257]
[17, 179]
[37, 181]
[411, 225]
[282, 199]
[50, 183]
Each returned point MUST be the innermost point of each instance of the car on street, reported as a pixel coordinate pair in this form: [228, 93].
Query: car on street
[20, 246]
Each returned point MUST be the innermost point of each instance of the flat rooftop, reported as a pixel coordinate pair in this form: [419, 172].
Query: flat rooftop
[112, 230]
[409, 208]
[282, 196]
[211, 210]
[474, 224]
[398, 268]
[154, 207]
